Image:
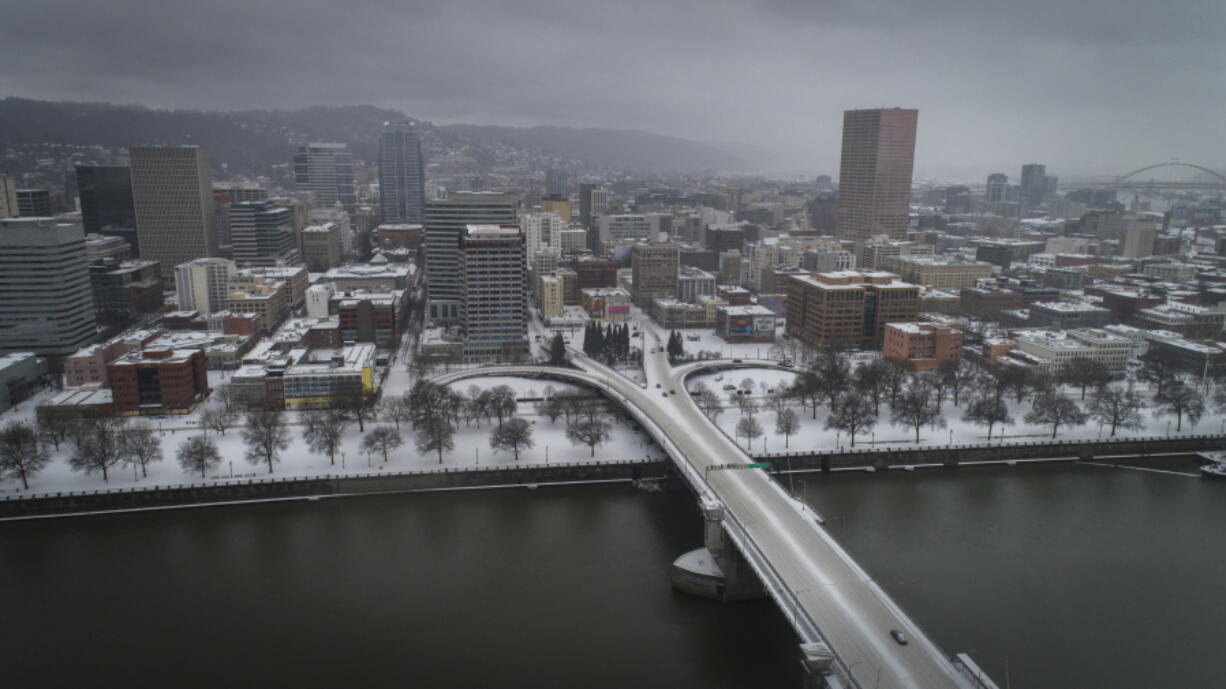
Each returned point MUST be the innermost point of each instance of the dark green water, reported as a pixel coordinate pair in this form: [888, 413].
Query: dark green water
[1081, 577]
[558, 587]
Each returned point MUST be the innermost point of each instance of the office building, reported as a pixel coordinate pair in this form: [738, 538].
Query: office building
[494, 299]
[549, 294]
[402, 175]
[593, 203]
[556, 186]
[172, 195]
[106, 202]
[542, 235]
[693, 283]
[445, 224]
[34, 203]
[262, 234]
[923, 346]
[846, 308]
[321, 246]
[158, 381]
[203, 284]
[875, 173]
[595, 272]
[376, 317]
[1034, 184]
[938, 272]
[998, 188]
[1138, 239]
[559, 206]
[574, 239]
[625, 227]
[1067, 315]
[21, 373]
[325, 171]
[46, 302]
[125, 291]
[8, 196]
[654, 269]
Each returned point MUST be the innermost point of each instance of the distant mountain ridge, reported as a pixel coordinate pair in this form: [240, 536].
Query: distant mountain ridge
[258, 141]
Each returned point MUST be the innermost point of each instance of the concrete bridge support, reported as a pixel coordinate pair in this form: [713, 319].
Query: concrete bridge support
[717, 570]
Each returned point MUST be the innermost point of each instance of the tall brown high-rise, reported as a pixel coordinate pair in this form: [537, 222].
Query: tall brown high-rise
[875, 173]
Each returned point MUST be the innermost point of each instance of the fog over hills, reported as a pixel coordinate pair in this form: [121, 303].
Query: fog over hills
[256, 141]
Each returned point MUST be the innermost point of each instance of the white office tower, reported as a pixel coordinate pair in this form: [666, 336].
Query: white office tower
[542, 235]
[201, 285]
[46, 303]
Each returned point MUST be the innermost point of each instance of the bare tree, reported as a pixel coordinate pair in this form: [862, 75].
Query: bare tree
[589, 431]
[987, 410]
[916, 408]
[323, 431]
[808, 389]
[869, 379]
[224, 396]
[198, 453]
[787, 423]
[141, 447]
[54, 429]
[266, 436]
[894, 375]
[1180, 399]
[396, 408]
[512, 436]
[709, 403]
[1117, 407]
[359, 404]
[778, 401]
[502, 402]
[550, 408]
[1082, 372]
[1159, 369]
[21, 454]
[749, 429]
[1056, 410]
[433, 418]
[218, 418]
[853, 413]
[382, 439]
[955, 373]
[100, 447]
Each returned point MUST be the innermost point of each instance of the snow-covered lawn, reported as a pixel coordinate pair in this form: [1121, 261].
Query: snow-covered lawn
[814, 436]
[471, 449]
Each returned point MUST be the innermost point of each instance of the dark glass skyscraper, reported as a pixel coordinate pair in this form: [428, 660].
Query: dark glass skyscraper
[325, 170]
[402, 174]
[106, 202]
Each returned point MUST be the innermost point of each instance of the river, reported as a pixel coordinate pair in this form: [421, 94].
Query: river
[557, 587]
[1053, 577]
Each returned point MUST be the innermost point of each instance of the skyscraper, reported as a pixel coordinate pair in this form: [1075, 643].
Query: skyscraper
[46, 301]
[494, 298]
[593, 202]
[172, 195]
[998, 188]
[326, 171]
[106, 202]
[1034, 184]
[8, 196]
[201, 285]
[875, 173]
[402, 175]
[262, 234]
[555, 183]
[444, 224]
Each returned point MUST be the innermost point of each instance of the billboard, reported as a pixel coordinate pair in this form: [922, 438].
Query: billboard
[764, 326]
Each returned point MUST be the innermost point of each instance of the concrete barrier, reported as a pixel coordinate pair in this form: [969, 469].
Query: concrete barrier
[330, 484]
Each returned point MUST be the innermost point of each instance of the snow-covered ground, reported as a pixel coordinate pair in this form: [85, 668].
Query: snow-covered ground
[471, 448]
[814, 436]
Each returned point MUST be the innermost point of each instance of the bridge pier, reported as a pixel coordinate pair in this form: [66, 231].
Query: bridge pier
[816, 663]
[718, 570]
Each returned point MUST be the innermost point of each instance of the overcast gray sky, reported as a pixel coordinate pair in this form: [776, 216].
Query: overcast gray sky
[1089, 85]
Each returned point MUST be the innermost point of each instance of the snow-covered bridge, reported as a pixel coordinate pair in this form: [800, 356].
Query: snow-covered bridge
[831, 602]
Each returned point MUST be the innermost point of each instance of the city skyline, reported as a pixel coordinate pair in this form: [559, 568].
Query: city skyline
[1015, 85]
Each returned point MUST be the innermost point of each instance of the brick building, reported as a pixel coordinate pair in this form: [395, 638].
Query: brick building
[158, 381]
[923, 346]
[848, 308]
